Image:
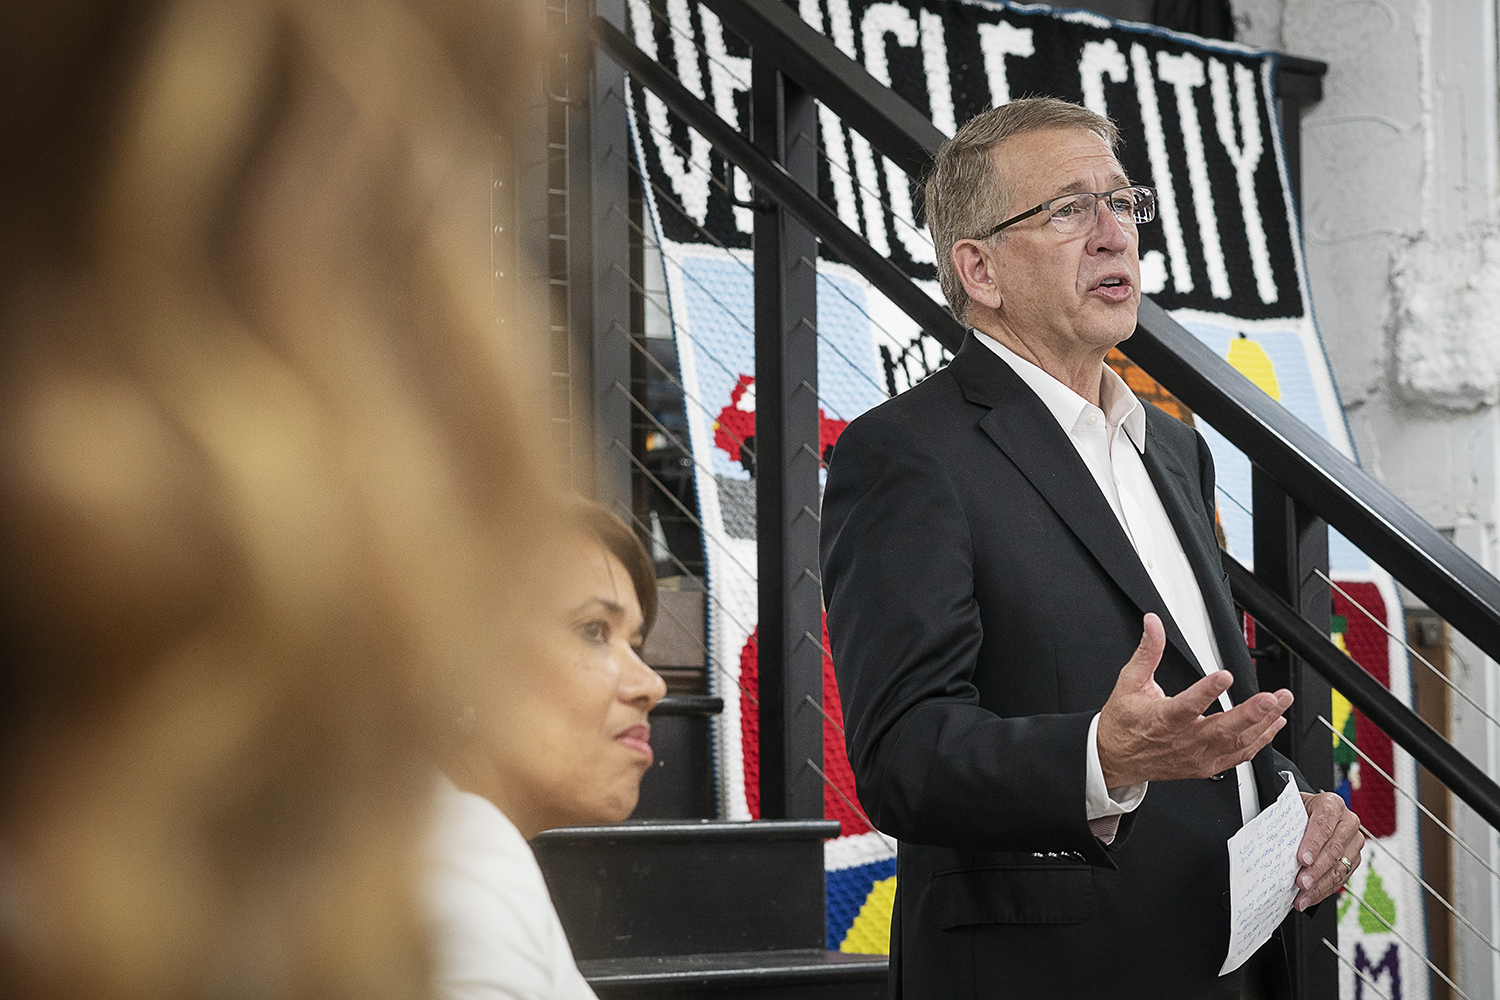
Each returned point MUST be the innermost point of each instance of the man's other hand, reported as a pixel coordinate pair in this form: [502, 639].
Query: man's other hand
[1331, 840]
[1145, 736]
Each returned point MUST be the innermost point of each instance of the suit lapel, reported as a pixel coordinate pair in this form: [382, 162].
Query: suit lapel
[1183, 502]
[1024, 429]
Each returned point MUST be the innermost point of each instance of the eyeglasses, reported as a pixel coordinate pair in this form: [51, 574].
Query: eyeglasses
[1072, 213]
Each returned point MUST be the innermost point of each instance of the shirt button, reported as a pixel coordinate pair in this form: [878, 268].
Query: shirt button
[1093, 420]
[1150, 563]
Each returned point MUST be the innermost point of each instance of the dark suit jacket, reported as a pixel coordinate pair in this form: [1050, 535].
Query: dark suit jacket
[982, 598]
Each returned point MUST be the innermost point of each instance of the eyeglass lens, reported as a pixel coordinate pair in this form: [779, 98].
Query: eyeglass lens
[1131, 205]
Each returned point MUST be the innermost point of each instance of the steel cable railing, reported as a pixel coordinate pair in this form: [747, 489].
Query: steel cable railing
[669, 434]
[855, 806]
[1452, 834]
[713, 661]
[781, 186]
[1389, 929]
[1360, 512]
[1444, 678]
[723, 306]
[867, 195]
[1371, 841]
[1460, 774]
[951, 330]
[690, 161]
[1364, 976]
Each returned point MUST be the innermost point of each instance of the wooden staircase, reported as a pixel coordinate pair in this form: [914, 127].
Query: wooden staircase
[679, 906]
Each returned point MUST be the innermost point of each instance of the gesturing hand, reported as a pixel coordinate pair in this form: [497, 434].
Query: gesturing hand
[1145, 736]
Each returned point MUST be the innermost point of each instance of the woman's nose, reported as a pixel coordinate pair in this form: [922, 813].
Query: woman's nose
[639, 683]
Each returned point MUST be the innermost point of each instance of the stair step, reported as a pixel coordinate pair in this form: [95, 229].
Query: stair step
[652, 889]
[803, 974]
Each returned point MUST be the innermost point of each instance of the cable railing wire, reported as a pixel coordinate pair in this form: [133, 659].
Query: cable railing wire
[850, 803]
[866, 192]
[811, 701]
[800, 136]
[1402, 938]
[713, 661]
[874, 323]
[656, 245]
[642, 408]
[702, 50]
[687, 159]
[1407, 646]
[1363, 975]
[1425, 811]
[677, 383]
[681, 506]
[723, 608]
[1370, 839]
[829, 340]
[740, 442]
[677, 331]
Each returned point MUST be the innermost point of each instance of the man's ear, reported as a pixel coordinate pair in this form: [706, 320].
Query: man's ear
[974, 262]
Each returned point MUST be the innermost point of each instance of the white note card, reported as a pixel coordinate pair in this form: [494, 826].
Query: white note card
[1263, 869]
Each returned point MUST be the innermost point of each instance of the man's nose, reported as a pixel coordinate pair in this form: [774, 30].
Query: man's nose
[1109, 232]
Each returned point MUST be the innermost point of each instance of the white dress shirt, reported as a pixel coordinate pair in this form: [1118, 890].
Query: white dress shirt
[497, 934]
[1121, 475]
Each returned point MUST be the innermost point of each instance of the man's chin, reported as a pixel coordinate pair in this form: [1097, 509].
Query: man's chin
[1116, 328]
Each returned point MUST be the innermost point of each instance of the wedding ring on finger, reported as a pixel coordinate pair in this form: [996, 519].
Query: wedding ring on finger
[1348, 868]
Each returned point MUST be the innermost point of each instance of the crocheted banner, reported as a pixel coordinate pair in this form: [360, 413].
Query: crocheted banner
[1199, 123]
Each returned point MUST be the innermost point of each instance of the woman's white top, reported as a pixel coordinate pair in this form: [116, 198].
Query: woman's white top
[497, 933]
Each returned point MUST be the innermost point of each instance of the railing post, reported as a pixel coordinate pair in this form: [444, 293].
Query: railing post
[783, 117]
[597, 157]
[1291, 547]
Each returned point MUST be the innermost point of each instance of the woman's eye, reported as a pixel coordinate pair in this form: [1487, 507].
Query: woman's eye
[594, 631]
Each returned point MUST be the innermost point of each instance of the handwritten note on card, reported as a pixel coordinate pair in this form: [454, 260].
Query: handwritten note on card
[1263, 870]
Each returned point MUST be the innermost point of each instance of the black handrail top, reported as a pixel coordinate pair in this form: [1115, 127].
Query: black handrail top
[1320, 477]
[1309, 468]
[1365, 693]
[689, 704]
[664, 831]
[781, 186]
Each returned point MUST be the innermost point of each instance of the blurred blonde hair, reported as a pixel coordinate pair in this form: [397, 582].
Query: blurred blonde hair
[268, 478]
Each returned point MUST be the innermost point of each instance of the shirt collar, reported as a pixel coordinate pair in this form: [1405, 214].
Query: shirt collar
[1119, 405]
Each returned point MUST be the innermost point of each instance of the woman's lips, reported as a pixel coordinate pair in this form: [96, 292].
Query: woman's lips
[638, 738]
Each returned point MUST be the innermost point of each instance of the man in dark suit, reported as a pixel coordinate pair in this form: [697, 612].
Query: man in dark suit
[1046, 690]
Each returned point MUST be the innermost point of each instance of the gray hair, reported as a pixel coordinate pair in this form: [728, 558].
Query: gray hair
[966, 194]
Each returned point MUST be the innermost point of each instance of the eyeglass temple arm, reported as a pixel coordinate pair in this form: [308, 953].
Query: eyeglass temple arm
[1013, 220]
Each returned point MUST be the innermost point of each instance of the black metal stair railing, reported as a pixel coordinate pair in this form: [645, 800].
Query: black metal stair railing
[1363, 509]
[774, 179]
[1305, 484]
